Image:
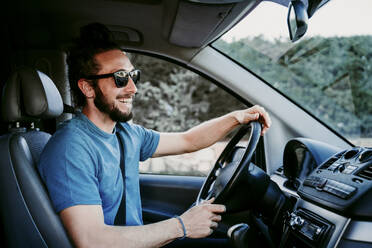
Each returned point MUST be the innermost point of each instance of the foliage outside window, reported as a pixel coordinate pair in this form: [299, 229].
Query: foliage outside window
[171, 98]
[328, 75]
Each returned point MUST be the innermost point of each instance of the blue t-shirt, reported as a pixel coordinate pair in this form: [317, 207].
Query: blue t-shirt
[80, 165]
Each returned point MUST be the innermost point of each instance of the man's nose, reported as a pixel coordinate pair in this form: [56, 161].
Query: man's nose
[131, 86]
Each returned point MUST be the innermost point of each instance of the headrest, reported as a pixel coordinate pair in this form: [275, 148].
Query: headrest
[28, 95]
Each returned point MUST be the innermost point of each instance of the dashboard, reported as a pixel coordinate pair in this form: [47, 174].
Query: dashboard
[332, 189]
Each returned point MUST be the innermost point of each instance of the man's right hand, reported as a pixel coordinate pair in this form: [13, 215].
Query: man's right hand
[86, 227]
[201, 220]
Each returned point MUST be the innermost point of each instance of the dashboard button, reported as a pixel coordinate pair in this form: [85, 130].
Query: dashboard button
[321, 183]
[342, 167]
[349, 169]
[315, 182]
[309, 182]
[339, 189]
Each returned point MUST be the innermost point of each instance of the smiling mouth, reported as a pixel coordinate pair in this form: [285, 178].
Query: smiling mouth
[126, 101]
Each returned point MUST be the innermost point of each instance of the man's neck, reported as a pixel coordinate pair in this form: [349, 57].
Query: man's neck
[101, 120]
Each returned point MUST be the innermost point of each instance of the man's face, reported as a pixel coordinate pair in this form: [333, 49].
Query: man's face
[110, 100]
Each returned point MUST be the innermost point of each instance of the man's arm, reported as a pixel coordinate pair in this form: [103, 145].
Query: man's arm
[85, 225]
[209, 132]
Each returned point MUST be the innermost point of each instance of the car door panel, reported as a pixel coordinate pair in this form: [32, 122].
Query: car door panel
[164, 196]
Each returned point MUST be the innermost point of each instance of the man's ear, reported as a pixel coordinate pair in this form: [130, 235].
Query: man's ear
[86, 88]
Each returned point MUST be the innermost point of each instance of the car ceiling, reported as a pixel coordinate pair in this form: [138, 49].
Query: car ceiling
[172, 27]
[176, 28]
[153, 25]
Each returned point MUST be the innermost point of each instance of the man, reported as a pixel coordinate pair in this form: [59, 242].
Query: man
[81, 163]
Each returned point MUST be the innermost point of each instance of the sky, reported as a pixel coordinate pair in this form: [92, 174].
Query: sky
[336, 18]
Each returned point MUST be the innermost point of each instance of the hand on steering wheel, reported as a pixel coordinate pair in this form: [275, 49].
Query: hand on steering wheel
[231, 164]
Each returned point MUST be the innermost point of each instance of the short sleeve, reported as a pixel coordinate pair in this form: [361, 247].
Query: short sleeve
[68, 171]
[149, 141]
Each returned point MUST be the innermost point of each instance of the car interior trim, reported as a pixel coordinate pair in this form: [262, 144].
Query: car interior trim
[359, 231]
[340, 222]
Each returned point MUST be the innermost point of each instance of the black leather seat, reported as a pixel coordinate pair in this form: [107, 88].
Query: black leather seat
[26, 213]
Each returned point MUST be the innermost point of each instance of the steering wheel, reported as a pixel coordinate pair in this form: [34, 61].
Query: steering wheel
[231, 166]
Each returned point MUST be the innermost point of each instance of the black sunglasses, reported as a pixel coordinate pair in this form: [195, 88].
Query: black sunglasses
[121, 77]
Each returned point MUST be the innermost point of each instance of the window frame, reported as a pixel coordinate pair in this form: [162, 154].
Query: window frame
[259, 155]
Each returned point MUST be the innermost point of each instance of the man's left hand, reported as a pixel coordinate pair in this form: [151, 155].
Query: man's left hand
[252, 114]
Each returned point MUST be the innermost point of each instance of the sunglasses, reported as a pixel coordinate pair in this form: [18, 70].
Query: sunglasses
[121, 77]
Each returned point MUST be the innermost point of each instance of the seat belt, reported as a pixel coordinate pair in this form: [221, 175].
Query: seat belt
[120, 219]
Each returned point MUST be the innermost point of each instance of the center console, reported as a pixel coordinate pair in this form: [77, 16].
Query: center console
[342, 184]
[336, 192]
[306, 229]
[331, 207]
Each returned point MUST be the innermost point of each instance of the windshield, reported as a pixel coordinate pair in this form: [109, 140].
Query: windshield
[328, 72]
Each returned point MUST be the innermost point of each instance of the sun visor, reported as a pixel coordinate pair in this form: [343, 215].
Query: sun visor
[196, 22]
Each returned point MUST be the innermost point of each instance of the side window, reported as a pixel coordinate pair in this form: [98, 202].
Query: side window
[171, 98]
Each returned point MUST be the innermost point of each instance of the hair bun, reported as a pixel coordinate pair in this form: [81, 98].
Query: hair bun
[95, 34]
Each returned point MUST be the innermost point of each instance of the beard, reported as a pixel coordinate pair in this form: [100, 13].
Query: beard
[100, 101]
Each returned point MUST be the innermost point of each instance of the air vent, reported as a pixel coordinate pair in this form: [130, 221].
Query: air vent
[351, 154]
[366, 172]
[328, 163]
[338, 155]
[365, 156]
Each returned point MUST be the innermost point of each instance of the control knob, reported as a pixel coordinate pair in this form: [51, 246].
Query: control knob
[295, 221]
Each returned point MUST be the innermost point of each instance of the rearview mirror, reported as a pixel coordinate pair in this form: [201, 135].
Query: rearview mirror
[297, 20]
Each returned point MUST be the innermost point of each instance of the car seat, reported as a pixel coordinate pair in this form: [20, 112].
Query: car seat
[26, 212]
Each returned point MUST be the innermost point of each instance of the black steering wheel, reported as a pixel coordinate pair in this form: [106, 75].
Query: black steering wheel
[231, 166]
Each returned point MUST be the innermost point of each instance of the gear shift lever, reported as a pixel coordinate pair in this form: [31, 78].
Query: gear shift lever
[238, 234]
